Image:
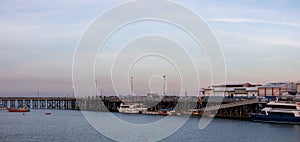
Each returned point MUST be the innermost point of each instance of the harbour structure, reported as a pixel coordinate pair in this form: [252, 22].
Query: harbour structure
[38, 102]
[298, 87]
[252, 91]
[238, 109]
[99, 103]
[152, 101]
[230, 108]
[277, 89]
[232, 90]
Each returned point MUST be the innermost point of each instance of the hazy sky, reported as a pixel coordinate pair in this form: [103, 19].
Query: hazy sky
[260, 41]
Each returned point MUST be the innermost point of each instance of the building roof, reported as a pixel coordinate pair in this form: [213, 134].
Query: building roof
[275, 84]
[207, 89]
[236, 84]
[201, 89]
[224, 89]
[252, 89]
[231, 84]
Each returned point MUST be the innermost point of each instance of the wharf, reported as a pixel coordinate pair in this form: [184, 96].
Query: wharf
[39, 102]
[229, 108]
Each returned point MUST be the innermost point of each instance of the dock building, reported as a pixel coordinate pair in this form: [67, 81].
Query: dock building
[232, 90]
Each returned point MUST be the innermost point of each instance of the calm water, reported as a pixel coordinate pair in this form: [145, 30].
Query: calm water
[67, 126]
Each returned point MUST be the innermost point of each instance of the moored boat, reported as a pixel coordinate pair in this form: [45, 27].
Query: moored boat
[166, 112]
[25, 109]
[279, 112]
[47, 113]
[132, 108]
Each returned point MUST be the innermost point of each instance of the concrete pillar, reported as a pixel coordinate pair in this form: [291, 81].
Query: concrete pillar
[38, 104]
[31, 104]
[8, 104]
[70, 104]
[67, 104]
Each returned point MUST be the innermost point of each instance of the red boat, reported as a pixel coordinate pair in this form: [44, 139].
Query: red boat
[25, 109]
[165, 112]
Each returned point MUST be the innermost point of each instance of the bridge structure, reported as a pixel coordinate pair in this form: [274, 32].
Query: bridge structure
[39, 102]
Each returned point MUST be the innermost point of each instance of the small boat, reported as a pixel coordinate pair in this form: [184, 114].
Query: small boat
[47, 113]
[165, 112]
[132, 108]
[24, 109]
[279, 112]
[193, 112]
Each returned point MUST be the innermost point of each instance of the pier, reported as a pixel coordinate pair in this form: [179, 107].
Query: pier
[39, 102]
[238, 109]
[229, 108]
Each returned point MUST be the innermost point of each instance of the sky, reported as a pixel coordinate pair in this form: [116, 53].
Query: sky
[260, 41]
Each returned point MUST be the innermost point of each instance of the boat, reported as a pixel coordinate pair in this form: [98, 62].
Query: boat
[279, 112]
[193, 112]
[24, 109]
[132, 108]
[47, 113]
[166, 112]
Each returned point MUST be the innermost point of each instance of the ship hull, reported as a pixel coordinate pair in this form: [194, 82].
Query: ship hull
[129, 111]
[275, 119]
[17, 110]
[165, 113]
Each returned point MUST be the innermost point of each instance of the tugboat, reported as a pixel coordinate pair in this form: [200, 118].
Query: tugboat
[279, 112]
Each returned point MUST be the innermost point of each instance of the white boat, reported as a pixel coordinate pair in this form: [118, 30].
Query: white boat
[132, 108]
[279, 112]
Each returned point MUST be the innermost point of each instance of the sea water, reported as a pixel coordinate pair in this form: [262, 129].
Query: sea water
[69, 125]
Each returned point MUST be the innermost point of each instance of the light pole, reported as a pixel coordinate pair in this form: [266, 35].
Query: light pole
[131, 86]
[96, 82]
[164, 85]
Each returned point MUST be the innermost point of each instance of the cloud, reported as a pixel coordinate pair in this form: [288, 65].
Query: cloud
[258, 21]
[281, 42]
[262, 59]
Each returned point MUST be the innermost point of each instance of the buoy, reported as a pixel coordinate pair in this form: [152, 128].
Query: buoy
[47, 113]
